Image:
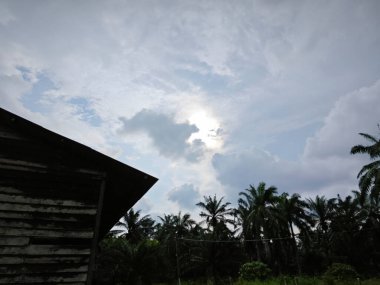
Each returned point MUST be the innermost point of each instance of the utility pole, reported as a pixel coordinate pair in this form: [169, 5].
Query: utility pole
[176, 256]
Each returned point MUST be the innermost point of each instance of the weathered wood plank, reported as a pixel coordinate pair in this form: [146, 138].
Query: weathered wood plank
[22, 168]
[33, 166]
[39, 201]
[49, 196]
[5, 161]
[47, 217]
[56, 259]
[44, 260]
[11, 260]
[12, 223]
[43, 250]
[52, 279]
[19, 241]
[73, 188]
[7, 134]
[45, 209]
[45, 233]
[24, 150]
[10, 190]
[42, 268]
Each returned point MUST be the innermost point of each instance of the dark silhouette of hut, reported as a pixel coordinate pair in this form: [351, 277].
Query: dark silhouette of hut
[58, 198]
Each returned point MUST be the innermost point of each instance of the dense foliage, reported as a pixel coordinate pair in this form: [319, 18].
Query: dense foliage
[254, 270]
[340, 271]
[291, 235]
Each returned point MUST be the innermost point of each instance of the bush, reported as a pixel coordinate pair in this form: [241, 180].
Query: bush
[340, 271]
[254, 270]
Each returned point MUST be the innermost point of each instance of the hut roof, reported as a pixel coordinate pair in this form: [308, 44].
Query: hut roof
[124, 185]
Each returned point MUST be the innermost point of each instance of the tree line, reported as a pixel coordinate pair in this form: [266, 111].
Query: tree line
[290, 234]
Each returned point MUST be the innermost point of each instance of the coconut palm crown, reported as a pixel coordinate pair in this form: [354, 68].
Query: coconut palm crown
[369, 175]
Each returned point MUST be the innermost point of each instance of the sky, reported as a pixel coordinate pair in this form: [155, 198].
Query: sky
[208, 96]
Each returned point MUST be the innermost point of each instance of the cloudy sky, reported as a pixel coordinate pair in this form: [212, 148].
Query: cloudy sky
[208, 96]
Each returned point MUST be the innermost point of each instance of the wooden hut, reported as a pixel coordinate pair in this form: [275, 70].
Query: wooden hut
[58, 198]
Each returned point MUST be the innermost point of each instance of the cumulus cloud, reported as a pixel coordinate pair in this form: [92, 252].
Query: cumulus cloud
[326, 166]
[263, 68]
[357, 112]
[168, 137]
[186, 195]
[240, 169]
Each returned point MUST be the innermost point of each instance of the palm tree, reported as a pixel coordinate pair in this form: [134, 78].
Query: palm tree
[369, 175]
[292, 212]
[368, 219]
[168, 231]
[175, 225]
[217, 215]
[121, 262]
[257, 204]
[133, 227]
[321, 211]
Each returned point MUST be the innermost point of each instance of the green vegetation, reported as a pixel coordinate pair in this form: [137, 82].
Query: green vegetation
[269, 236]
[285, 280]
[340, 271]
[254, 270]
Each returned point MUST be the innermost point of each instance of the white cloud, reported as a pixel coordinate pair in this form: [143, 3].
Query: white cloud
[326, 166]
[354, 113]
[261, 70]
[185, 195]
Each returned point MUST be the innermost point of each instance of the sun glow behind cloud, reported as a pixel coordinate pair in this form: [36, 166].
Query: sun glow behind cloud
[209, 130]
[227, 89]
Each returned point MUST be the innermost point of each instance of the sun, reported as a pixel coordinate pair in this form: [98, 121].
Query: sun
[209, 130]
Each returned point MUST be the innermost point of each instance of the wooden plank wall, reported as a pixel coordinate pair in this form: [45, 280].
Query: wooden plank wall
[48, 207]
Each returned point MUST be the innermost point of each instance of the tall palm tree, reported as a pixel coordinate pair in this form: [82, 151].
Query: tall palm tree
[257, 204]
[133, 227]
[292, 212]
[322, 210]
[216, 214]
[176, 225]
[368, 219]
[369, 175]
[169, 229]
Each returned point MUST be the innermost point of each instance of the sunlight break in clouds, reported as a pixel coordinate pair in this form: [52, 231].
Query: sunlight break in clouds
[233, 92]
[209, 130]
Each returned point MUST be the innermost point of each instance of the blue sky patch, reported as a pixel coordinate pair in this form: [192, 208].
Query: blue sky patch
[25, 73]
[87, 114]
[35, 100]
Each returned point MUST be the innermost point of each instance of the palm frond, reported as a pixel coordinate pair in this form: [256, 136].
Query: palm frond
[369, 137]
[368, 167]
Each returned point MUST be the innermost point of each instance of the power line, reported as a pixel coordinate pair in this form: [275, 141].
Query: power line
[235, 241]
[273, 238]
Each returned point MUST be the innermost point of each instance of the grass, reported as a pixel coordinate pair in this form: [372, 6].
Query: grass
[284, 281]
[290, 281]
[309, 281]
